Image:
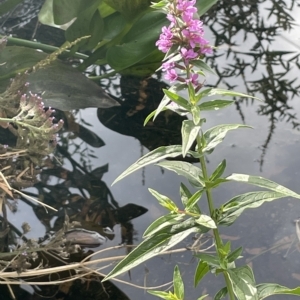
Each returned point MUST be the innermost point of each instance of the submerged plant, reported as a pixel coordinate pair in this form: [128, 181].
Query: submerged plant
[184, 45]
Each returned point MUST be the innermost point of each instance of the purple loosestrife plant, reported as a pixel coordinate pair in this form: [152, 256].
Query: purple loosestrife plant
[185, 46]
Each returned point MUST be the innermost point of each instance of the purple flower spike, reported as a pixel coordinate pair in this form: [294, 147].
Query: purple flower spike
[186, 32]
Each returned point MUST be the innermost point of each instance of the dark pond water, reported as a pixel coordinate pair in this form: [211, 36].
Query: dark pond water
[270, 149]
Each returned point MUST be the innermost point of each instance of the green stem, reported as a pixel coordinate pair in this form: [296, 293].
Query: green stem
[44, 47]
[216, 233]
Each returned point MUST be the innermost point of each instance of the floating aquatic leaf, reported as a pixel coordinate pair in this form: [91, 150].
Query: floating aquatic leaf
[61, 85]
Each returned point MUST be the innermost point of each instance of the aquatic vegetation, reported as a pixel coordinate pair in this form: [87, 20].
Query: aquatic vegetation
[184, 45]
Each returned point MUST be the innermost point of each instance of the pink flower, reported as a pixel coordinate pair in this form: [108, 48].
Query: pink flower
[171, 75]
[193, 79]
[172, 19]
[188, 54]
[187, 6]
[168, 65]
[165, 40]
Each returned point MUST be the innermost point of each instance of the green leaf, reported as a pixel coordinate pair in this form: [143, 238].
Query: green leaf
[215, 183]
[162, 222]
[178, 284]
[265, 290]
[192, 173]
[202, 66]
[201, 270]
[215, 135]
[66, 10]
[162, 106]
[221, 293]
[185, 194]
[113, 25]
[193, 200]
[243, 283]
[155, 245]
[212, 92]
[263, 182]
[206, 221]
[159, 5]
[189, 132]
[204, 5]
[195, 110]
[215, 104]
[62, 86]
[211, 260]
[218, 172]
[138, 43]
[152, 157]
[88, 22]
[164, 201]
[202, 297]
[235, 254]
[163, 295]
[235, 206]
[177, 99]
[130, 9]
[149, 117]
[46, 14]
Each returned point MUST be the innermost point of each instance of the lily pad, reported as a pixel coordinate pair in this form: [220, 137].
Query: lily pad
[61, 85]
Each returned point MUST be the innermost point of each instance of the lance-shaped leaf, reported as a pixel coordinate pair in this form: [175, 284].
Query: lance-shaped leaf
[201, 270]
[195, 110]
[211, 260]
[178, 284]
[186, 196]
[221, 293]
[177, 99]
[189, 132]
[193, 200]
[166, 100]
[263, 182]
[218, 172]
[215, 104]
[152, 157]
[192, 173]
[164, 201]
[243, 283]
[202, 66]
[162, 106]
[163, 295]
[202, 297]
[235, 254]
[265, 290]
[215, 135]
[155, 245]
[206, 221]
[152, 115]
[162, 222]
[235, 206]
[212, 92]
